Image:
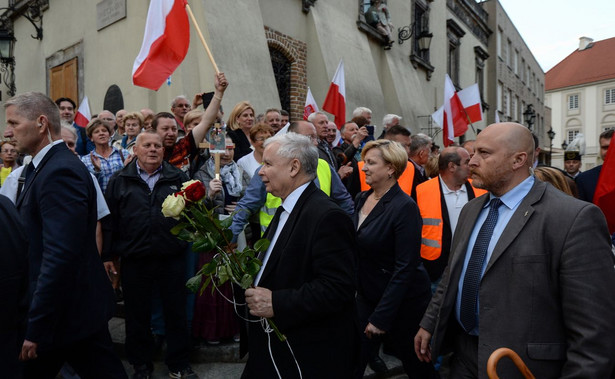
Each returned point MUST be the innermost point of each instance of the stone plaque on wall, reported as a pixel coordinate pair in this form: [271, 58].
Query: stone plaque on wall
[109, 11]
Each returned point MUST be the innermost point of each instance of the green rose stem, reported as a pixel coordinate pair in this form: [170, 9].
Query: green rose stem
[237, 265]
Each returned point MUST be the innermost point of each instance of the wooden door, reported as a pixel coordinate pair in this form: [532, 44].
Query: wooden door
[64, 81]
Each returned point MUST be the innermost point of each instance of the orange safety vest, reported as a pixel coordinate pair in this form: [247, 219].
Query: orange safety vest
[428, 198]
[404, 181]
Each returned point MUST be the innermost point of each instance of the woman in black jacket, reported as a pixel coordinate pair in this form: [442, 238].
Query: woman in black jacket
[393, 286]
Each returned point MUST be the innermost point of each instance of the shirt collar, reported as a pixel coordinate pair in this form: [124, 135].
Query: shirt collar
[447, 190]
[291, 200]
[140, 170]
[41, 154]
[513, 197]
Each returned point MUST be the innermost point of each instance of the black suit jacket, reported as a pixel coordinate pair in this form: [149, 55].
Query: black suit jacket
[586, 183]
[392, 279]
[13, 287]
[71, 296]
[311, 273]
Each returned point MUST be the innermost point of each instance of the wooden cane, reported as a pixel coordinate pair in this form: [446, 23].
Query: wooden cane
[492, 363]
[198, 30]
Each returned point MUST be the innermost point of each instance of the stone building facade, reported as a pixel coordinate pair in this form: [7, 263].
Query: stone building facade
[270, 50]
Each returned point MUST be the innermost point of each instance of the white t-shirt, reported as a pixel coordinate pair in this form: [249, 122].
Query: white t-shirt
[248, 163]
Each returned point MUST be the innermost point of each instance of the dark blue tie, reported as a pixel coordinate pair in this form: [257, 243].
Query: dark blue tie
[468, 312]
[271, 229]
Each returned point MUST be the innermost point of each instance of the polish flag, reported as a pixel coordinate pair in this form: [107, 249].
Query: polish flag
[604, 196]
[83, 116]
[310, 105]
[459, 109]
[165, 43]
[335, 102]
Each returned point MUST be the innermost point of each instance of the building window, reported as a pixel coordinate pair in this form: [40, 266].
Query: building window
[281, 72]
[367, 22]
[573, 102]
[508, 101]
[508, 53]
[514, 62]
[515, 108]
[523, 70]
[480, 56]
[609, 96]
[499, 96]
[570, 135]
[454, 34]
[499, 42]
[420, 22]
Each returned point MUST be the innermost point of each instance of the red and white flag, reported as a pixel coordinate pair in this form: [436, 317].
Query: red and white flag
[335, 102]
[165, 43]
[470, 99]
[459, 109]
[83, 116]
[310, 105]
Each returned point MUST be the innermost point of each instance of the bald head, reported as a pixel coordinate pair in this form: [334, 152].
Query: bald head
[503, 157]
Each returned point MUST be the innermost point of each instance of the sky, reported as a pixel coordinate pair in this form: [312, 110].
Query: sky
[551, 28]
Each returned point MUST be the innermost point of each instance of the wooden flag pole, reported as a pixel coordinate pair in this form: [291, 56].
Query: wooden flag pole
[198, 30]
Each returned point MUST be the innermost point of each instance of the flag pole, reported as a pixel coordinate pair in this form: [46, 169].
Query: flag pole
[469, 121]
[198, 30]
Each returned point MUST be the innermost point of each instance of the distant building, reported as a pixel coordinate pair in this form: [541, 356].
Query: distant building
[516, 80]
[580, 90]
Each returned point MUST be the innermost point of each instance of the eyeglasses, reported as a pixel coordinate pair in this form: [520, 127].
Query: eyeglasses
[182, 106]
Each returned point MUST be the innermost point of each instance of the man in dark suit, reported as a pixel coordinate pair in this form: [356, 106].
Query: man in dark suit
[13, 288]
[71, 299]
[531, 269]
[307, 282]
[587, 180]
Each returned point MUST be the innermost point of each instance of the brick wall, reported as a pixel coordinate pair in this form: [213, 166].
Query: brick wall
[296, 52]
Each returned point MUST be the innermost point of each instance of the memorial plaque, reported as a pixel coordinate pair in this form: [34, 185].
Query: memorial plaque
[109, 11]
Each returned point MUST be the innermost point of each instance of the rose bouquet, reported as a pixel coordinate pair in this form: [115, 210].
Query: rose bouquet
[201, 226]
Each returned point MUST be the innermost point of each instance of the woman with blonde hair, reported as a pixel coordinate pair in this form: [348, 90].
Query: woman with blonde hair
[393, 286]
[238, 128]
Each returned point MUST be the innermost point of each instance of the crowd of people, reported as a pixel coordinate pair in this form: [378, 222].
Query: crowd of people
[376, 243]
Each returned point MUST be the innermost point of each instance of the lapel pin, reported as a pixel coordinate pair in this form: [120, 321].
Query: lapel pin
[525, 215]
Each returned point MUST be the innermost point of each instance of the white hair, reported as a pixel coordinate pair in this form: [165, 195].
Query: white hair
[296, 146]
[312, 116]
[388, 119]
[360, 110]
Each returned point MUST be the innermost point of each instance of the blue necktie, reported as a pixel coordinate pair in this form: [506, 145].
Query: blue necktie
[271, 229]
[468, 312]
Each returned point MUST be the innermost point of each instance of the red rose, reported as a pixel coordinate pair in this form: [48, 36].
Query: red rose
[195, 191]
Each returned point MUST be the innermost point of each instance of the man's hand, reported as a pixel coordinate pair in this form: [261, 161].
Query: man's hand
[110, 269]
[198, 100]
[220, 82]
[345, 170]
[360, 136]
[28, 351]
[231, 207]
[259, 302]
[421, 345]
[373, 331]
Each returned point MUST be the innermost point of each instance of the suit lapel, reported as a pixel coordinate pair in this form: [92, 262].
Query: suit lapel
[286, 232]
[28, 183]
[517, 222]
[380, 206]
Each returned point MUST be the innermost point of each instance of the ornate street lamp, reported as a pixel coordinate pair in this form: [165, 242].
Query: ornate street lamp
[551, 135]
[7, 60]
[529, 116]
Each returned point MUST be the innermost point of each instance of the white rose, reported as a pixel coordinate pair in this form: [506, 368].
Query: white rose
[187, 184]
[173, 206]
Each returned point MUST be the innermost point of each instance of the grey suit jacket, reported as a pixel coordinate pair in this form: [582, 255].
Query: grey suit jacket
[547, 292]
